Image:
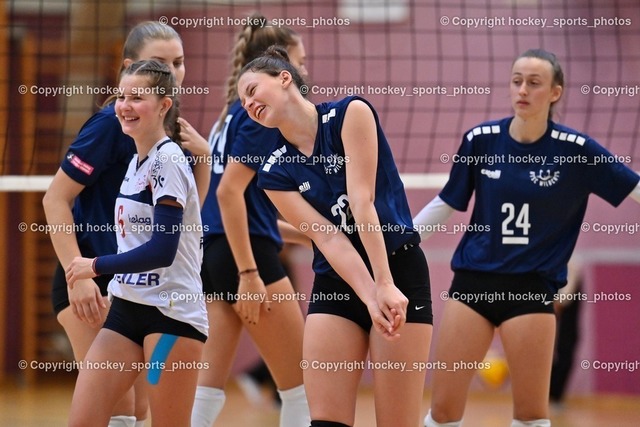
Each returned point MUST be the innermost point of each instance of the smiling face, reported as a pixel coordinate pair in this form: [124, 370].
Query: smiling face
[262, 95]
[140, 109]
[532, 88]
[169, 52]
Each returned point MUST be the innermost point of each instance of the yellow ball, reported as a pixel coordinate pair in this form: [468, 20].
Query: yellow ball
[495, 372]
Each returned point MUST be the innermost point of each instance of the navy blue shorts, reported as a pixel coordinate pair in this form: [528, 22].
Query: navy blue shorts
[500, 297]
[220, 274]
[136, 321]
[410, 274]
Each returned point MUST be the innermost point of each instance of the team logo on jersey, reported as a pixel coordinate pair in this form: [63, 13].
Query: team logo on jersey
[155, 172]
[333, 164]
[158, 180]
[491, 174]
[544, 178]
[304, 187]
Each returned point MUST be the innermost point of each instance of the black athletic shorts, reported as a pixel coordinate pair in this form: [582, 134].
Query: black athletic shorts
[220, 274]
[410, 275]
[59, 293]
[500, 297]
[136, 321]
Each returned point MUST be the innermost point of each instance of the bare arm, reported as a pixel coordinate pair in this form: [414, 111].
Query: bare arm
[291, 235]
[360, 139]
[199, 147]
[84, 298]
[338, 250]
[233, 209]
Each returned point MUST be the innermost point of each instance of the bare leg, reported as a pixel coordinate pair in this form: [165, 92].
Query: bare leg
[171, 399]
[332, 394]
[398, 391]
[528, 345]
[101, 384]
[464, 336]
[81, 335]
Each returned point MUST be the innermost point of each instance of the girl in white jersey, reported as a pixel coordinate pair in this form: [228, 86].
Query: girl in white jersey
[84, 191]
[506, 279]
[156, 319]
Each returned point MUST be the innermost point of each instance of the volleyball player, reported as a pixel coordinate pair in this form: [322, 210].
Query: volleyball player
[525, 223]
[242, 275]
[156, 269]
[83, 192]
[333, 177]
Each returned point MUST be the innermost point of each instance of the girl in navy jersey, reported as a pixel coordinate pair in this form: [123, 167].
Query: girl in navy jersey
[155, 319]
[333, 177]
[243, 278]
[84, 192]
[526, 219]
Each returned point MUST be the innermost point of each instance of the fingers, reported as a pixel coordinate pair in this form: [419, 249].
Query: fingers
[87, 303]
[71, 280]
[381, 326]
[249, 312]
[266, 305]
[380, 321]
[389, 317]
[88, 311]
[183, 122]
[398, 319]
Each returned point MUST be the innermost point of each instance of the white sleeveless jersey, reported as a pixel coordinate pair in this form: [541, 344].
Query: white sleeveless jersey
[176, 290]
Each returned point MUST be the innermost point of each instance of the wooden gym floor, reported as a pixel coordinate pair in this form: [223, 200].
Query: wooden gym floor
[47, 404]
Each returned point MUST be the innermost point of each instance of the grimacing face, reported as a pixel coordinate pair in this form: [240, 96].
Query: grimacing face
[261, 95]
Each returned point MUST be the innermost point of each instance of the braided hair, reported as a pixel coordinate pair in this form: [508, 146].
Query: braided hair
[251, 42]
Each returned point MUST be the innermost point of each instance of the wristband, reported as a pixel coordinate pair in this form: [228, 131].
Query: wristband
[247, 271]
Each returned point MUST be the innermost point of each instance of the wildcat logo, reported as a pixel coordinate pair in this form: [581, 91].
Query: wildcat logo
[333, 164]
[544, 179]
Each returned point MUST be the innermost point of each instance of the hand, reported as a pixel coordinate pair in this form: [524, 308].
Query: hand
[80, 268]
[393, 304]
[192, 140]
[87, 303]
[252, 296]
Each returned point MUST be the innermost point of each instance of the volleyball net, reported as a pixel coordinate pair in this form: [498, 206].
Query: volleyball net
[431, 69]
